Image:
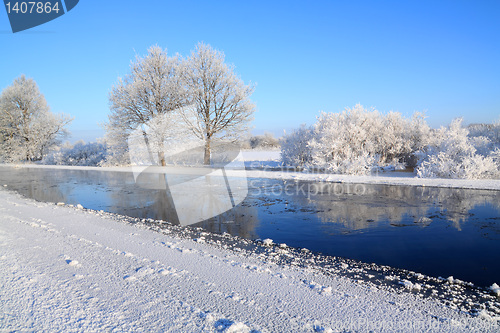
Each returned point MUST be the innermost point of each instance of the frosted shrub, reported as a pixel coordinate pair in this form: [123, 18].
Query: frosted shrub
[489, 131]
[391, 135]
[295, 150]
[356, 140]
[266, 141]
[344, 142]
[82, 154]
[454, 155]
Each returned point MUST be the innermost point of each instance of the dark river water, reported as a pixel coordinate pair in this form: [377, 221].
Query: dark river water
[435, 231]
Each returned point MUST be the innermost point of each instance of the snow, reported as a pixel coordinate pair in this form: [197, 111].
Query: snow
[267, 242]
[70, 269]
[495, 289]
[262, 155]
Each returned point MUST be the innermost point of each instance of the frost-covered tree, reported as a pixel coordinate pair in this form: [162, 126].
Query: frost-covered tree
[485, 137]
[356, 140]
[220, 99]
[295, 149]
[456, 155]
[27, 127]
[347, 142]
[153, 89]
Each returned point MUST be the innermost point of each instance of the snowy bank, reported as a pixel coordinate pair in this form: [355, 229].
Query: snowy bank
[69, 269]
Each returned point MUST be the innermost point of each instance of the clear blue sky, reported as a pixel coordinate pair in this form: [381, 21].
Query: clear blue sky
[442, 57]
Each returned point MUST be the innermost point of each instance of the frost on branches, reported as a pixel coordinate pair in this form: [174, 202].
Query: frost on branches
[81, 154]
[456, 154]
[220, 99]
[152, 89]
[355, 141]
[358, 141]
[169, 102]
[295, 150]
[27, 127]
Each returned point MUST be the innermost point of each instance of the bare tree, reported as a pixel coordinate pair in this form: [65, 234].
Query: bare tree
[153, 89]
[27, 127]
[219, 98]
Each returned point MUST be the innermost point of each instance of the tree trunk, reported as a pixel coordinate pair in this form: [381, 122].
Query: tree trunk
[206, 158]
[161, 158]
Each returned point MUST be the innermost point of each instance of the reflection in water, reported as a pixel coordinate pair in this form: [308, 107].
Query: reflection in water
[117, 192]
[241, 221]
[360, 206]
[436, 231]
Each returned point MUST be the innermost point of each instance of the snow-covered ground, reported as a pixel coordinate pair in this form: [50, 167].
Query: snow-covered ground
[70, 269]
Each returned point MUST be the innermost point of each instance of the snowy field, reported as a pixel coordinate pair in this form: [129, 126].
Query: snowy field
[70, 269]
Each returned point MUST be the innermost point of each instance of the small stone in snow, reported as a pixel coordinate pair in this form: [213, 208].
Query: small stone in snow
[450, 279]
[60, 204]
[283, 245]
[79, 206]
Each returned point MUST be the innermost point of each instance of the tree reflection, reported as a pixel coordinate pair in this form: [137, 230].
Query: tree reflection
[370, 205]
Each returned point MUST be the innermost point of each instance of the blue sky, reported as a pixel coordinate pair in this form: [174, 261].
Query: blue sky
[442, 57]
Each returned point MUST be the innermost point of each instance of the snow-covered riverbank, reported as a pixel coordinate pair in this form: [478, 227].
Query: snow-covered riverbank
[68, 269]
[272, 172]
